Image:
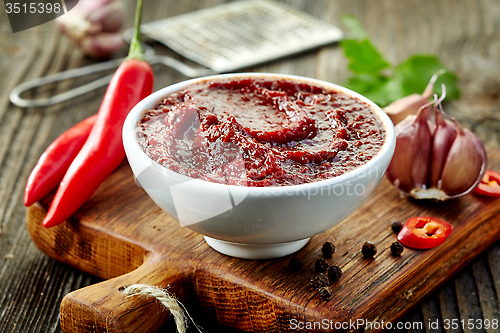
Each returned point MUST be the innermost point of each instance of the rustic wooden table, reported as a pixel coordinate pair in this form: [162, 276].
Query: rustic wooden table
[465, 34]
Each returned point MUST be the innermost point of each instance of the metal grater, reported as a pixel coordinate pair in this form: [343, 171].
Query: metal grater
[241, 34]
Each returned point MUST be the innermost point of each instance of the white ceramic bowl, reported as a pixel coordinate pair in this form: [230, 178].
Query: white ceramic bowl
[255, 222]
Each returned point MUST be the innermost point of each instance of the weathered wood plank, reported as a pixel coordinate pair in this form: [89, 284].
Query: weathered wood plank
[486, 292]
[493, 260]
[431, 315]
[467, 298]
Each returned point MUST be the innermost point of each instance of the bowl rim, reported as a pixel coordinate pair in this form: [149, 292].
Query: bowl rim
[132, 119]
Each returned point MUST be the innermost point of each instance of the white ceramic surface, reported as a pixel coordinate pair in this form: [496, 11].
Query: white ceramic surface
[251, 222]
[256, 251]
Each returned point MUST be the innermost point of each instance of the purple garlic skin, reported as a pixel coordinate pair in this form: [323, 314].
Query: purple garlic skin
[436, 161]
[398, 171]
[95, 26]
[413, 138]
[443, 138]
[465, 158]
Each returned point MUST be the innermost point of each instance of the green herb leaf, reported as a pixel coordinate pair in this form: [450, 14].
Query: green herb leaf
[379, 89]
[387, 93]
[417, 70]
[364, 83]
[383, 83]
[363, 56]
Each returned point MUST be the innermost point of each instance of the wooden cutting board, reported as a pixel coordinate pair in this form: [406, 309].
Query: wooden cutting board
[121, 236]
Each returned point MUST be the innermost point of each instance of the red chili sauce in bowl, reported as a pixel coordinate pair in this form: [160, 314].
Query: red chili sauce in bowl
[260, 132]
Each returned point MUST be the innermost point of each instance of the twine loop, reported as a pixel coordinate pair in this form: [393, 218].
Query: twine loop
[167, 299]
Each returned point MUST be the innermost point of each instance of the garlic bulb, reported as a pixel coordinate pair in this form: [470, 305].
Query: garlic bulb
[95, 26]
[436, 160]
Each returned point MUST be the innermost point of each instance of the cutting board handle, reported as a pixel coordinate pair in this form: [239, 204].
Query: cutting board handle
[102, 307]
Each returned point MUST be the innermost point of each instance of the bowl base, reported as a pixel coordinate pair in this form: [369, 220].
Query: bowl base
[254, 251]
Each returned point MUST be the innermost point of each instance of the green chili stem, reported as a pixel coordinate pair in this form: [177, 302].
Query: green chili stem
[136, 51]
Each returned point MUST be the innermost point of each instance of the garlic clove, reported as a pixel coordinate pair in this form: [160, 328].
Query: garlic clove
[423, 142]
[442, 140]
[465, 164]
[398, 170]
[409, 166]
[94, 26]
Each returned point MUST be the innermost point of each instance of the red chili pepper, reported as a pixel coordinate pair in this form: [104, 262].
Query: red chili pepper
[103, 151]
[490, 184]
[424, 232]
[55, 161]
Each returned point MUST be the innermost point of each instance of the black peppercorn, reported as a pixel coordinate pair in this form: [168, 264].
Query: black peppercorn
[295, 264]
[334, 272]
[321, 265]
[396, 249]
[369, 250]
[325, 293]
[328, 249]
[319, 280]
[396, 226]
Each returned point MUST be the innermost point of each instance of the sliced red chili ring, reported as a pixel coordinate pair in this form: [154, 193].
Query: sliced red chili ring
[424, 232]
[490, 184]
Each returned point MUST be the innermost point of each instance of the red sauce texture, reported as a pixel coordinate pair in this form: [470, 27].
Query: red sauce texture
[260, 132]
